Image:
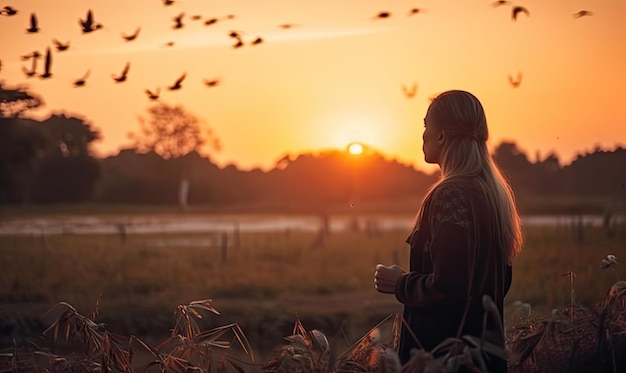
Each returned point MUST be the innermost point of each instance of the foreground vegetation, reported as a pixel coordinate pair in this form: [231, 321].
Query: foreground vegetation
[264, 283]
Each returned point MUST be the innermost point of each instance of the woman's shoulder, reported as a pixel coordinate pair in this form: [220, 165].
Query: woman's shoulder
[450, 202]
[462, 189]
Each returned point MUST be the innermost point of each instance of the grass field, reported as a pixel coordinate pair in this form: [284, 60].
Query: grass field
[266, 280]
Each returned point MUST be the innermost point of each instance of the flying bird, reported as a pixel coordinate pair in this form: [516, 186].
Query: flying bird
[177, 84]
[60, 46]
[168, 2]
[153, 95]
[178, 20]
[212, 82]
[34, 55]
[210, 21]
[9, 11]
[47, 73]
[410, 93]
[122, 77]
[133, 36]
[499, 3]
[287, 26]
[33, 24]
[168, 44]
[239, 43]
[582, 13]
[235, 34]
[518, 9]
[81, 82]
[383, 15]
[414, 11]
[89, 25]
[195, 17]
[258, 40]
[515, 82]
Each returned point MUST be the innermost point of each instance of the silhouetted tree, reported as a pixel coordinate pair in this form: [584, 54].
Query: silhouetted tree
[69, 136]
[148, 178]
[172, 132]
[66, 172]
[65, 179]
[600, 173]
[319, 181]
[515, 165]
[22, 143]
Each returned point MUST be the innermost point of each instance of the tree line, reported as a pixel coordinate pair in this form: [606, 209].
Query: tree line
[50, 161]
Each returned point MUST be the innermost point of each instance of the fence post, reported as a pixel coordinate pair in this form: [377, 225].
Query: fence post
[121, 230]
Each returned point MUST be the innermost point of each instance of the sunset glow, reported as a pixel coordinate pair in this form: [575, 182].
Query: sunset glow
[337, 75]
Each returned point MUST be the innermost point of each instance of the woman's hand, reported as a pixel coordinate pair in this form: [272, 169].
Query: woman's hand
[385, 278]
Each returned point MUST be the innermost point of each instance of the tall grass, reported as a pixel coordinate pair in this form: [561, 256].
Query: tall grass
[168, 268]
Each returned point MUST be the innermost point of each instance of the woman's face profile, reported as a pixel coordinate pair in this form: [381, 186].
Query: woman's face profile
[431, 141]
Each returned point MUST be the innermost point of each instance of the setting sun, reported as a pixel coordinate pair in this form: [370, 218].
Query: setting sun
[355, 148]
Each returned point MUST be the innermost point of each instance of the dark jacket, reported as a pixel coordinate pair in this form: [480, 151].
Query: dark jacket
[454, 261]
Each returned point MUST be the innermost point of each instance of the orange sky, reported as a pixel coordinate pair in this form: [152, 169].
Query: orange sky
[336, 76]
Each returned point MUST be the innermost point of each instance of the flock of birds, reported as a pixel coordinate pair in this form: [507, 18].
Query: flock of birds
[89, 24]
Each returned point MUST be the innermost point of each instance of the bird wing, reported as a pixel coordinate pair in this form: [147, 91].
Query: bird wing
[126, 68]
[48, 61]
[180, 80]
[519, 9]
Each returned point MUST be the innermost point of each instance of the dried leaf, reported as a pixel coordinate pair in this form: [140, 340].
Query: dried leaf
[488, 347]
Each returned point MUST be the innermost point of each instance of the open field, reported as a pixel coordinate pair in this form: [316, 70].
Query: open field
[263, 281]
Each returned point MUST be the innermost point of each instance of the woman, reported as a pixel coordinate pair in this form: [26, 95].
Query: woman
[466, 234]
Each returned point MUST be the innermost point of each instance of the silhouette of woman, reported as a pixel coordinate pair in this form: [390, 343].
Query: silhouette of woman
[466, 235]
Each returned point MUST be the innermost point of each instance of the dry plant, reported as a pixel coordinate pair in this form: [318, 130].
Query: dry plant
[191, 349]
[310, 351]
[377, 354]
[188, 349]
[102, 351]
[577, 338]
[305, 352]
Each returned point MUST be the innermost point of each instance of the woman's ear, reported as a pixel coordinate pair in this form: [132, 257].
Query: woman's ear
[442, 137]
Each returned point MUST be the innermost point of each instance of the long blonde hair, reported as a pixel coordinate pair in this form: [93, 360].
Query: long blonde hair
[462, 117]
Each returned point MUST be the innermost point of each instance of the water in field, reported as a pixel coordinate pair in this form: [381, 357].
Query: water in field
[207, 223]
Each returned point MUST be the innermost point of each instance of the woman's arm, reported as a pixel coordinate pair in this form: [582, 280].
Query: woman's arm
[451, 252]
